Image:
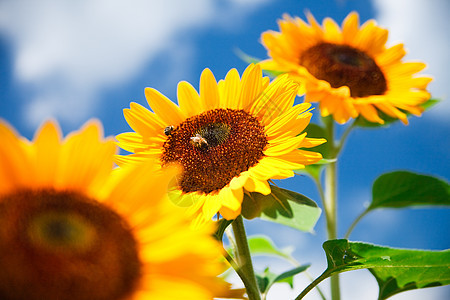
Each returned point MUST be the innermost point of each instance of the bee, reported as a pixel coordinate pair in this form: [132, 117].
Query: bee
[168, 130]
[199, 141]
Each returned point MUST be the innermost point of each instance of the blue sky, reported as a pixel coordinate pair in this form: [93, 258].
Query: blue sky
[76, 60]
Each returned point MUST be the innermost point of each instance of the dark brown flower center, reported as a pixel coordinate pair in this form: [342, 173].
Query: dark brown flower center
[214, 147]
[62, 246]
[344, 65]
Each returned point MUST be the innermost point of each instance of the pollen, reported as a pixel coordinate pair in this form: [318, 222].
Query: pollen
[214, 147]
[344, 65]
[61, 245]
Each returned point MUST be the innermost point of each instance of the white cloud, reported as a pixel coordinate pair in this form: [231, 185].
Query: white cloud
[423, 26]
[68, 51]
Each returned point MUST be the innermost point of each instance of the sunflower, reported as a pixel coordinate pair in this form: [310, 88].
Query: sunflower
[71, 227]
[349, 71]
[230, 138]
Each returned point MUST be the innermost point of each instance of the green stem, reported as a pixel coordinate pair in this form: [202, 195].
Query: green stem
[344, 137]
[329, 199]
[317, 288]
[312, 285]
[331, 215]
[350, 229]
[330, 203]
[244, 259]
[295, 263]
[320, 189]
[238, 270]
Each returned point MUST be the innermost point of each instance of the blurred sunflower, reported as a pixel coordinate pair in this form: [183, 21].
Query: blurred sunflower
[349, 71]
[71, 227]
[231, 137]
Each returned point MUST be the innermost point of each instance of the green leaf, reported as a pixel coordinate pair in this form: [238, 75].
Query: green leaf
[282, 206]
[288, 275]
[430, 103]
[362, 122]
[267, 279]
[245, 57]
[264, 280]
[253, 60]
[388, 286]
[401, 189]
[263, 245]
[316, 131]
[314, 170]
[311, 170]
[396, 270]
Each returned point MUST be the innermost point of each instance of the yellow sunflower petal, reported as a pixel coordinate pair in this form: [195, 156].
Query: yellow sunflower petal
[142, 120]
[259, 186]
[47, 144]
[421, 82]
[239, 181]
[264, 172]
[136, 158]
[371, 38]
[332, 31]
[197, 201]
[350, 27]
[211, 206]
[251, 85]
[134, 142]
[370, 113]
[14, 164]
[165, 290]
[140, 185]
[305, 157]
[230, 214]
[392, 55]
[312, 142]
[406, 69]
[392, 111]
[278, 126]
[315, 26]
[166, 110]
[281, 163]
[84, 159]
[302, 157]
[230, 90]
[188, 99]
[328, 105]
[209, 93]
[275, 99]
[231, 198]
[286, 146]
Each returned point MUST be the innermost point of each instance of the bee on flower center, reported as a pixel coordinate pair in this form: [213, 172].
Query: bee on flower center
[168, 130]
[199, 141]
